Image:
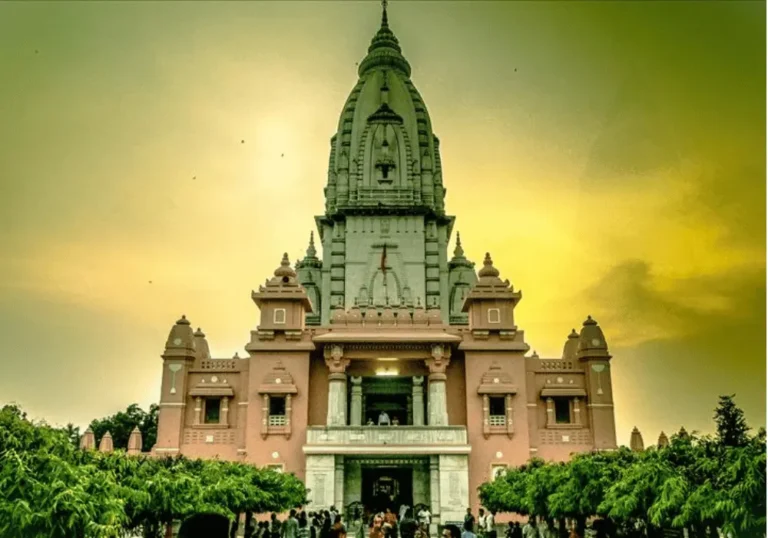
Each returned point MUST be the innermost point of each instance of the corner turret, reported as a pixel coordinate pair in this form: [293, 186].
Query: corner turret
[178, 357]
[663, 441]
[491, 303]
[636, 443]
[571, 347]
[283, 303]
[202, 350]
[593, 357]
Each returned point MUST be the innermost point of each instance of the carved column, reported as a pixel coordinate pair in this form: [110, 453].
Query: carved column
[288, 407]
[198, 410]
[337, 386]
[265, 416]
[434, 490]
[418, 401]
[577, 411]
[224, 417]
[550, 412]
[510, 415]
[486, 416]
[338, 483]
[438, 399]
[356, 405]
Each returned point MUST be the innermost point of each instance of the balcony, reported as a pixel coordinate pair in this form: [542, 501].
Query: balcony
[386, 440]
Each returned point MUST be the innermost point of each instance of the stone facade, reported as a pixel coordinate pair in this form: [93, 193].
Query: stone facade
[381, 370]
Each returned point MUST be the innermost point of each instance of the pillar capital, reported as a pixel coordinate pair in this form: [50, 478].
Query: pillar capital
[418, 381]
[334, 359]
[437, 367]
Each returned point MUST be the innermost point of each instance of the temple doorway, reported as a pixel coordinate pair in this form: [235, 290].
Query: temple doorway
[386, 487]
[391, 395]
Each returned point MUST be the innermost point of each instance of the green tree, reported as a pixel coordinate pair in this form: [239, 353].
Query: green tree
[45, 491]
[121, 424]
[732, 429]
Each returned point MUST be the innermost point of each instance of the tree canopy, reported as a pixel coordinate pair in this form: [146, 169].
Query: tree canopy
[695, 482]
[121, 424]
[52, 489]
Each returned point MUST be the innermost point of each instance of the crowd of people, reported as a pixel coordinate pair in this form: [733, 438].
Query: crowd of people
[388, 523]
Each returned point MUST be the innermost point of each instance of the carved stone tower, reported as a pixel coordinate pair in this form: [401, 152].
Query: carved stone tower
[385, 232]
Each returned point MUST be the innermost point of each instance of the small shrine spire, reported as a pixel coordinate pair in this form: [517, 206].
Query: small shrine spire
[458, 252]
[311, 251]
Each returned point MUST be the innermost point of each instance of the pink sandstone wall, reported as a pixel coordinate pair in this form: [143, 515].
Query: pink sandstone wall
[513, 451]
[456, 392]
[288, 452]
[318, 391]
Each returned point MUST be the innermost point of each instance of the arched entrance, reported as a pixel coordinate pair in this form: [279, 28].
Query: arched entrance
[205, 526]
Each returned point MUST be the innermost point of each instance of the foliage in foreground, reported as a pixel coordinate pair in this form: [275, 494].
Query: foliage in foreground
[50, 488]
[694, 482]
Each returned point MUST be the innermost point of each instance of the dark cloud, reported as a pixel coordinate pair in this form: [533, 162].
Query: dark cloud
[689, 353]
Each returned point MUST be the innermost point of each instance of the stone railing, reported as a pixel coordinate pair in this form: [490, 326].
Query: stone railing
[553, 365]
[387, 435]
[219, 365]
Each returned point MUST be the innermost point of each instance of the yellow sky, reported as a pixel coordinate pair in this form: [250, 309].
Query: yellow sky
[610, 156]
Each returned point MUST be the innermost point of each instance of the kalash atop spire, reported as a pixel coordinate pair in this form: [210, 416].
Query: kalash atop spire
[385, 185]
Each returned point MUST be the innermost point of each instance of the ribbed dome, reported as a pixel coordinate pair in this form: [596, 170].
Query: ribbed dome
[384, 153]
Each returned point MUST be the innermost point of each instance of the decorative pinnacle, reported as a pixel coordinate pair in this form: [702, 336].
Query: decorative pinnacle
[311, 252]
[458, 252]
[488, 268]
[384, 21]
[285, 269]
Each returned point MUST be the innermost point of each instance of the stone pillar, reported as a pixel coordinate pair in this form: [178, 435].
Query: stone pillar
[338, 486]
[224, 417]
[577, 411]
[337, 386]
[434, 493]
[438, 399]
[198, 410]
[265, 416]
[510, 415]
[418, 401]
[550, 412]
[356, 405]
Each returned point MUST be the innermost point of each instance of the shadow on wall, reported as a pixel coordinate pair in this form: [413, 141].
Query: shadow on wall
[205, 526]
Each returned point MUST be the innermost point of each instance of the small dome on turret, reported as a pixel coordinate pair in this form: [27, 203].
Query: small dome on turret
[571, 347]
[285, 269]
[592, 341]
[201, 345]
[488, 270]
[181, 339]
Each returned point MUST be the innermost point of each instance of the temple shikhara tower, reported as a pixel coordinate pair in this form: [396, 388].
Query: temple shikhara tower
[384, 369]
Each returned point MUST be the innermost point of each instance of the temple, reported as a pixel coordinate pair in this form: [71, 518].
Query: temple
[383, 370]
